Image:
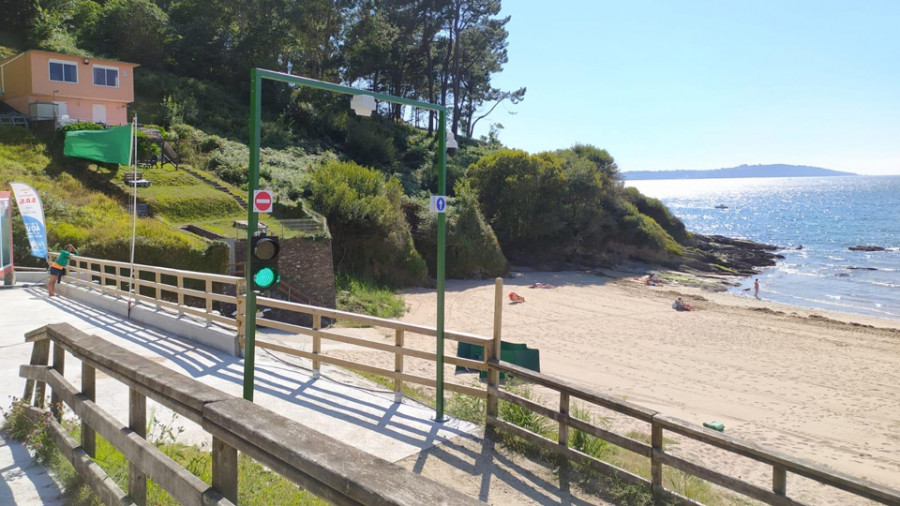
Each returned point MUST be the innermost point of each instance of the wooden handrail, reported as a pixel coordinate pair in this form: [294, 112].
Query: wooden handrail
[327, 467]
[780, 462]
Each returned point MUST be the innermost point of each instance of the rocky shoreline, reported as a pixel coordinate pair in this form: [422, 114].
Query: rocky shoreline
[725, 255]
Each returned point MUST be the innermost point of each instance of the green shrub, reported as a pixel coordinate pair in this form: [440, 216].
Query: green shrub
[472, 249]
[656, 210]
[371, 238]
[358, 296]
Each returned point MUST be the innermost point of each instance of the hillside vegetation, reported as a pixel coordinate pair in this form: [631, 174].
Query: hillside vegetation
[370, 177]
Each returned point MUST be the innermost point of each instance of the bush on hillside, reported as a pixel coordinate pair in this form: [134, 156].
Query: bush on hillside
[472, 249]
[520, 196]
[655, 209]
[370, 235]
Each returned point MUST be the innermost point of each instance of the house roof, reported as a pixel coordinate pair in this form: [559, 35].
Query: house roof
[72, 56]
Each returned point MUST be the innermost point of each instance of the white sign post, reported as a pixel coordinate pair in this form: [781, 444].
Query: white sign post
[438, 204]
[262, 201]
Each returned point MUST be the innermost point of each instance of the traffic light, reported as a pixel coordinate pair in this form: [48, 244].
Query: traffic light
[264, 264]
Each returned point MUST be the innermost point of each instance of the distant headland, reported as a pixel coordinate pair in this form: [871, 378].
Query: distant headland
[774, 170]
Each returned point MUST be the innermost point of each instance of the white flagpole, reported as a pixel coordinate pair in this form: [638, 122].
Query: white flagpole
[133, 152]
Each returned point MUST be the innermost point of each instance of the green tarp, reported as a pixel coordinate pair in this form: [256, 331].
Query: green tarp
[515, 353]
[112, 145]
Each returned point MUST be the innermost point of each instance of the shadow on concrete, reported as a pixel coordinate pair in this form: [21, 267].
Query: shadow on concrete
[284, 380]
[477, 456]
[24, 479]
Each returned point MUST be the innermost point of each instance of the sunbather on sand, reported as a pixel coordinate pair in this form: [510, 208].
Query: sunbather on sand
[515, 298]
[680, 305]
[541, 285]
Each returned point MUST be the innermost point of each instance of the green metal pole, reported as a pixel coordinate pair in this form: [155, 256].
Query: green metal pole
[441, 246]
[252, 185]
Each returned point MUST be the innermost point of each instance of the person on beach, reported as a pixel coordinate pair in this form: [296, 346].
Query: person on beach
[680, 305]
[58, 268]
[756, 288]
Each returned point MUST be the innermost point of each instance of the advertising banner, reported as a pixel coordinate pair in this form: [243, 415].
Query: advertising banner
[6, 249]
[33, 215]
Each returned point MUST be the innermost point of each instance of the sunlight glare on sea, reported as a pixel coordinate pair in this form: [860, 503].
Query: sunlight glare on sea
[815, 220]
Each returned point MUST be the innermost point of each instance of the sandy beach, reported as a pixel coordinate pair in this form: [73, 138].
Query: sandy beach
[816, 385]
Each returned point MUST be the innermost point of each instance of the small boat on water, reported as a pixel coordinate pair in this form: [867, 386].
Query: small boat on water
[721, 206]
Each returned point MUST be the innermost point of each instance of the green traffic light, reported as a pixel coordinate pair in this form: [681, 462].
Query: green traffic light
[265, 277]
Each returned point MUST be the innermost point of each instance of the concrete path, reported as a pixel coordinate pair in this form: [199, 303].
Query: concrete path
[337, 403]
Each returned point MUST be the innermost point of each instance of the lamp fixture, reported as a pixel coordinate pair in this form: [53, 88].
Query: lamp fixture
[86, 61]
[451, 143]
[363, 105]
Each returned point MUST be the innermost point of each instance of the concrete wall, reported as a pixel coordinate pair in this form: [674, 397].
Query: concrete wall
[189, 327]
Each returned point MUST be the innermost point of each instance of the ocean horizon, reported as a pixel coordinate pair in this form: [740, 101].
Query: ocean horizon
[814, 221]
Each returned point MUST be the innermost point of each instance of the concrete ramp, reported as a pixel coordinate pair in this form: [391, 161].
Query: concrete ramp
[338, 403]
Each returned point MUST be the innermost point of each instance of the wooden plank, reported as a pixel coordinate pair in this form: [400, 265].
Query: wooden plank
[225, 469]
[356, 475]
[59, 364]
[815, 472]
[492, 354]
[174, 479]
[742, 487]
[617, 405]
[398, 362]
[40, 354]
[317, 342]
[94, 476]
[220, 278]
[616, 439]
[89, 390]
[555, 447]
[563, 419]
[779, 480]
[137, 421]
[656, 469]
[369, 320]
[452, 387]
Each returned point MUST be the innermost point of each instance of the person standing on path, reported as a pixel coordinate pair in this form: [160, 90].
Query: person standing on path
[58, 268]
[756, 288]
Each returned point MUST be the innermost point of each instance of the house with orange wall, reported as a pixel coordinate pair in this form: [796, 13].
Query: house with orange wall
[82, 89]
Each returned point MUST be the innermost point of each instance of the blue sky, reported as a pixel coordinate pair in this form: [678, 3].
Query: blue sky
[707, 84]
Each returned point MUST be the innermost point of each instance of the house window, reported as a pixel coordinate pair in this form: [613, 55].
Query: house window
[106, 76]
[63, 71]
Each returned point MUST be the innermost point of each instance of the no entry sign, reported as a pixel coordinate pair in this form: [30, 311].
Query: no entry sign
[262, 201]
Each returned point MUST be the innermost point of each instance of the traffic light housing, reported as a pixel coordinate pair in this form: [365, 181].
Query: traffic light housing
[264, 261]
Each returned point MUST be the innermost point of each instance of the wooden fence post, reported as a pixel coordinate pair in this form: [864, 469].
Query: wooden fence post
[180, 282]
[316, 344]
[225, 469]
[40, 354]
[240, 311]
[209, 302]
[563, 423]
[137, 421]
[398, 365]
[656, 440]
[492, 354]
[59, 364]
[89, 389]
[779, 480]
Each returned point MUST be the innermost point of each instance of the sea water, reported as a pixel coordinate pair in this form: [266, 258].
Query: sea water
[814, 220]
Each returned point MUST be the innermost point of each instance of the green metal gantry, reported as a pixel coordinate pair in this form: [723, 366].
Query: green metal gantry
[256, 77]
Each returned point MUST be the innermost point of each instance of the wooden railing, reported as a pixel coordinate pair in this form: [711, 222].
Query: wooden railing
[325, 466]
[399, 349]
[781, 464]
[170, 283]
[198, 294]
